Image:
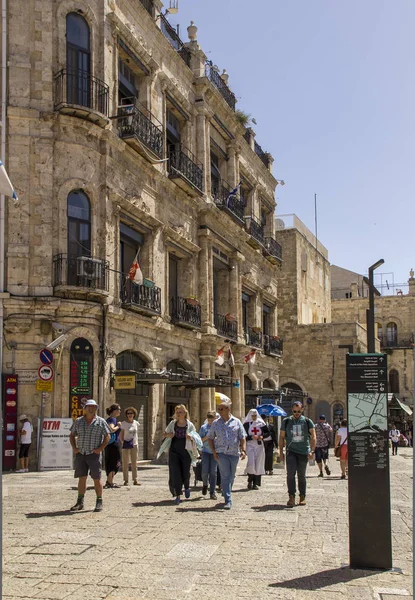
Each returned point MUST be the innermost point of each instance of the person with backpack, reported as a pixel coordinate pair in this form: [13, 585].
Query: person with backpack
[112, 450]
[299, 434]
[324, 434]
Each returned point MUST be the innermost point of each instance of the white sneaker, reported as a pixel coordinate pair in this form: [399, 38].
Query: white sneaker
[21, 471]
[26, 470]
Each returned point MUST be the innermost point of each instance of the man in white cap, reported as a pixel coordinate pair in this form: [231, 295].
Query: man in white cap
[88, 438]
[25, 434]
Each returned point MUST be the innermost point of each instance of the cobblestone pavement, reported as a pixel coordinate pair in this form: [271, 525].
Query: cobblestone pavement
[142, 546]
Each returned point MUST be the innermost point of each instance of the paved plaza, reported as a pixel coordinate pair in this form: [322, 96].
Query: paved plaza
[142, 546]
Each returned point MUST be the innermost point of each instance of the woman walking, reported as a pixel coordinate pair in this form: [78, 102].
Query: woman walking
[183, 440]
[256, 430]
[129, 441]
[341, 442]
[112, 450]
[270, 442]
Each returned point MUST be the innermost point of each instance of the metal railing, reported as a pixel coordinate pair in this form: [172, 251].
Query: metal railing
[224, 199]
[264, 156]
[171, 34]
[226, 327]
[273, 248]
[149, 6]
[80, 271]
[185, 312]
[140, 296]
[136, 121]
[406, 341]
[182, 161]
[253, 338]
[255, 229]
[81, 89]
[213, 75]
[273, 345]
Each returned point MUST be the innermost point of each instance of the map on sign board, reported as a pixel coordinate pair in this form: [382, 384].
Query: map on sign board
[368, 413]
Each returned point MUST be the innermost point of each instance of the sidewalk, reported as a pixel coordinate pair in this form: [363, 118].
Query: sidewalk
[142, 546]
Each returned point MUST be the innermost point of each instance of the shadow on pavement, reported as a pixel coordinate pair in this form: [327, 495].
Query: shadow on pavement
[324, 578]
[199, 508]
[267, 507]
[159, 503]
[56, 513]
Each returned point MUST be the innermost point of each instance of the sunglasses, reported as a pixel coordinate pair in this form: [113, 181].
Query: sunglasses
[130, 413]
[296, 411]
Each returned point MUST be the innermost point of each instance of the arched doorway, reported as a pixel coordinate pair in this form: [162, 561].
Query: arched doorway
[323, 408]
[137, 397]
[288, 399]
[250, 401]
[176, 394]
[338, 413]
[393, 381]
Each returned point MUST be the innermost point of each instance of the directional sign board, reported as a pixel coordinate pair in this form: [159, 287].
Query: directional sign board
[45, 373]
[46, 356]
[368, 461]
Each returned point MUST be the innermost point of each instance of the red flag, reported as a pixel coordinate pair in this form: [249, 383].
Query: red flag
[251, 357]
[231, 358]
[220, 356]
[135, 273]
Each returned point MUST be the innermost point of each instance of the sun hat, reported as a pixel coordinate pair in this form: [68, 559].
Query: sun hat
[90, 402]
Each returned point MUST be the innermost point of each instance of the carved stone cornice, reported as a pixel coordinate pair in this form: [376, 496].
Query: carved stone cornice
[135, 207]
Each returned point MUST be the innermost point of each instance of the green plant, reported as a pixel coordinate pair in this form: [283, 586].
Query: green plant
[242, 117]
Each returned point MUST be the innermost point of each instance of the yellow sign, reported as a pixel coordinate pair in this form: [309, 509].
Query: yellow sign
[44, 386]
[124, 382]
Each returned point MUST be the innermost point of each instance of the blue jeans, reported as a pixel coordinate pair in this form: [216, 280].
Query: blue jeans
[209, 470]
[296, 463]
[227, 468]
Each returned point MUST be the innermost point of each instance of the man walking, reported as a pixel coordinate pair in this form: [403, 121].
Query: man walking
[25, 435]
[88, 438]
[324, 433]
[226, 438]
[394, 436]
[209, 464]
[300, 436]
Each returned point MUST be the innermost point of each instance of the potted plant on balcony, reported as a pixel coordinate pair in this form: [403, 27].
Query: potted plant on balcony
[192, 300]
[230, 318]
[256, 329]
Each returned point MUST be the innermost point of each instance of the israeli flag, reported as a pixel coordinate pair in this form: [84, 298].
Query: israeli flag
[233, 193]
[6, 187]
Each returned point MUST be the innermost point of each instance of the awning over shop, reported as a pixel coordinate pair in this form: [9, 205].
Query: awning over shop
[188, 379]
[404, 406]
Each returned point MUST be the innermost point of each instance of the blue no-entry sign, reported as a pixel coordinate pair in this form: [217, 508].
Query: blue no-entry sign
[46, 356]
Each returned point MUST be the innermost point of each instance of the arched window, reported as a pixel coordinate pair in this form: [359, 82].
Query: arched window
[391, 334]
[393, 381]
[79, 224]
[129, 361]
[268, 385]
[78, 60]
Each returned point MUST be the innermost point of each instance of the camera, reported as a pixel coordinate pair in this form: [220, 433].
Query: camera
[55, 343]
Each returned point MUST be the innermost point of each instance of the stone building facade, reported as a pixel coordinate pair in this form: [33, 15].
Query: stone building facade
[123, 142]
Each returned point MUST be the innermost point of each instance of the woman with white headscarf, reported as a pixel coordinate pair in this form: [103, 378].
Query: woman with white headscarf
[256, 429]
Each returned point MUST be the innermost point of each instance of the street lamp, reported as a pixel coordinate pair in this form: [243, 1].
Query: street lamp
[370, 314]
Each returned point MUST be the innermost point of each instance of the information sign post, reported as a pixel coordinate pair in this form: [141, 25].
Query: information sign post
[368, 449]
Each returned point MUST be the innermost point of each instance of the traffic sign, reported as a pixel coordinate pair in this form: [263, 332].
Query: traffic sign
[44, 386]
[45, 373]
[46, 356]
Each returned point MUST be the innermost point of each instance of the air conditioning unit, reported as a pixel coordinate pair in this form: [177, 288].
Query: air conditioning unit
[89, 268]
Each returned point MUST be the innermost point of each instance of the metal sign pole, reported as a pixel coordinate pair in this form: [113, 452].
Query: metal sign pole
[40, 436]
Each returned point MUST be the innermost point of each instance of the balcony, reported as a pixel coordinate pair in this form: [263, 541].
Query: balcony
[404, 341]
[256, 231]
[272, 251]
[82, 273]
[253, 337]
[140, 129]
[227, 201]
[264, 156]
[144, 298]
[81, 95]
[185, 170]
[185, 312]
[149, 6]
[273, 345]
[226, 326]
[212, 74]
[171, 34]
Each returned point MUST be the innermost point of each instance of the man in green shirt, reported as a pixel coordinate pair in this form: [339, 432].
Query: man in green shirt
[299, 434]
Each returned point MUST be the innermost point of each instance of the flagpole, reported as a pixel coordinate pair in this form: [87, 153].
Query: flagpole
[315, 218]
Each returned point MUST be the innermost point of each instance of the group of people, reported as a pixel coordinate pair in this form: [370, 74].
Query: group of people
[221, 441]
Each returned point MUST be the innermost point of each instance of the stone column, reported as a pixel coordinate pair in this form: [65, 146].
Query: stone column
[203, 145]
[232, 174]
[235, 289]
[236, 393]
[156, 410]
[206, 394]
[206, 278]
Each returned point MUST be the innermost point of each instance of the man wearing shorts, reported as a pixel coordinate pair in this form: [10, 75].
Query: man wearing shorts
[25, 434]
[324, 434]
[88, 438]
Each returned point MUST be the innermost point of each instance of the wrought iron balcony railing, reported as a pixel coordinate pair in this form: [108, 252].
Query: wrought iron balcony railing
[171, 34]
[253, 338]
[185, 312]
[140, 296]
[273, 345]
[149, 6]
[136, 122]
[183, 163]
[264, 156]
[226, 326]
[273, 250]
[212, 74]
[79, 88]
[404, 341]
[225, 200]
[255, 229]
[80, 271]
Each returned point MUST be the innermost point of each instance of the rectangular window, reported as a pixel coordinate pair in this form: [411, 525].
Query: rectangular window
[266, 316]
[130, 241]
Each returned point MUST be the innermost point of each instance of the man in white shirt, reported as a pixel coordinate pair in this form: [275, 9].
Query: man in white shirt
[394, 436]
[25, 434]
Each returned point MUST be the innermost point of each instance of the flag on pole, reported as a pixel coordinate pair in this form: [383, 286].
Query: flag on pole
[6, 187]
[135, 273]
[233, 193]
[250, 358]
[220, 356]
[231, 358]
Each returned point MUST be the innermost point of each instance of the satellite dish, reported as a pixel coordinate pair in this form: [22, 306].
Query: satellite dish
[279, 224]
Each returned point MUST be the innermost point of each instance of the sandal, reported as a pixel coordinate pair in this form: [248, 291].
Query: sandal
[136, 482]
[107, 485]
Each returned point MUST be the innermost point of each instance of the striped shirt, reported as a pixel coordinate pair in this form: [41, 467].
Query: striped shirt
[89, 436]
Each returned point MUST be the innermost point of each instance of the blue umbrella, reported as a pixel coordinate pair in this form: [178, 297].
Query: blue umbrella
[271, 410]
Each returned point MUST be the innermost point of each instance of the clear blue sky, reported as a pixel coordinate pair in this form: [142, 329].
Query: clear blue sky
[331, 84]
